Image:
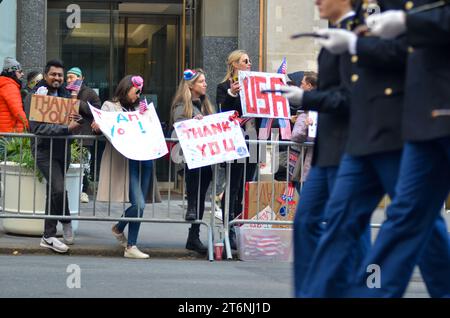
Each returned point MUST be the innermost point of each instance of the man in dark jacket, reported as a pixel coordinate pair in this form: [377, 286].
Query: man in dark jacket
[332, 100]
[53, 157]
[370, 166]
[415, 232]
[85, 95]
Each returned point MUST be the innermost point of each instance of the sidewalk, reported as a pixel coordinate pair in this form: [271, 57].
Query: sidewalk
[94, 238]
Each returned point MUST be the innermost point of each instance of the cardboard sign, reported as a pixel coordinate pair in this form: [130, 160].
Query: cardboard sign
[53, 110]
[284, 200]
[136, 136]
[214, 139]
[256, 104]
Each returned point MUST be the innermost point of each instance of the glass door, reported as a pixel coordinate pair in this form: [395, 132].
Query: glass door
[92, 45]
[148, 47]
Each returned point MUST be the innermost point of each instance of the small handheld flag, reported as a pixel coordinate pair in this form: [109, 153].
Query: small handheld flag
[75, 86]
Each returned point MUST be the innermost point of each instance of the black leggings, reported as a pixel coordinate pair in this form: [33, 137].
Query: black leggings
[203, 176]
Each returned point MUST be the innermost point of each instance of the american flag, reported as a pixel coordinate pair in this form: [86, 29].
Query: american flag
[264, 129]
[283, 67]
[288, 195]
[75, 86]
[285, 125]
[143, 106]
[285, 128]
[264, 245]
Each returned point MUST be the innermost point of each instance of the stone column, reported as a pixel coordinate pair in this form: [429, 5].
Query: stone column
[248, 35]
[31, 34]
[219, 38]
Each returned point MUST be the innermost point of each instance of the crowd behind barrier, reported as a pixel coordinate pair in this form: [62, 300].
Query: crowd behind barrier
[15, 150]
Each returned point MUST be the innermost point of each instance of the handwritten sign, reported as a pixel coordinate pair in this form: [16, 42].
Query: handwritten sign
[214, 139]
[256, 104]
[136, 136]
[312, 129]
[53, 110]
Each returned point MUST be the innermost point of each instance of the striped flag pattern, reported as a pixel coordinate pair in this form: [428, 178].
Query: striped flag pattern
[285, 124]
[75, 86]
[285, 128]
[143, 106]
[283, 67]
[264, 129]
[264, 245]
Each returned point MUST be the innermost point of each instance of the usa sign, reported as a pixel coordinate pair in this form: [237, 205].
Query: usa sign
[257, 104]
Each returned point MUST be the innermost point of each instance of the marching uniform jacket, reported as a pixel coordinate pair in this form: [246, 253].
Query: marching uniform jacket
[428, 81]
[332, 100]
[378, 79]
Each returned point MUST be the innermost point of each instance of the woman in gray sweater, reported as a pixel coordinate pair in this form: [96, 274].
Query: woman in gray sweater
[190, 101]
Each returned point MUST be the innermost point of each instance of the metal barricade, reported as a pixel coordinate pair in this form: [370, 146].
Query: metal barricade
[16, 152]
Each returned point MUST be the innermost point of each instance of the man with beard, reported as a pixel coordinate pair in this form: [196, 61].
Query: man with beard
[53, 157]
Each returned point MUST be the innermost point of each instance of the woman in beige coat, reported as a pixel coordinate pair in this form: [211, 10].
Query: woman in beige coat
[122, 179]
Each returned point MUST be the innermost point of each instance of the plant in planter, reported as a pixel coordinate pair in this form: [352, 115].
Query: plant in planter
[24, 191]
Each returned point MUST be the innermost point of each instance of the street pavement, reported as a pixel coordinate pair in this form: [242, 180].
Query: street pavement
[52, 276]
[169, 272]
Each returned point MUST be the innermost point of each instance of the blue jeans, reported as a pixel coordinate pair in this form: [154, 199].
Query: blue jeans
[140, 175]
[415, 232]
[360, 184]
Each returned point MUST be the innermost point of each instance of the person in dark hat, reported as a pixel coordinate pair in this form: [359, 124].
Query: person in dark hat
[295, 78]
[85, 95]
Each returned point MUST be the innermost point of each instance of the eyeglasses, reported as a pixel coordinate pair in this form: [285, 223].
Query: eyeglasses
[138, 92]
[247, 61]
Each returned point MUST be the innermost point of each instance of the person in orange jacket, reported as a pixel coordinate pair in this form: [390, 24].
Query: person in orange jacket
[12, 114]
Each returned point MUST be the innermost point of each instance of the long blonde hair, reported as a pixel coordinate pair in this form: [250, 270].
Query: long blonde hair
[184, 96]
[234, 57]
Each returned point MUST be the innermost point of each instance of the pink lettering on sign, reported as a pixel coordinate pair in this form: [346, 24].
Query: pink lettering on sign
[264, 105]
[202, 149]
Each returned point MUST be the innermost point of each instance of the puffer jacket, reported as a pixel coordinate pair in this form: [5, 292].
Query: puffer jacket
[12, 115]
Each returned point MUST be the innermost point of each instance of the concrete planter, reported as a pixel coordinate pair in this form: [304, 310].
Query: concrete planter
[21, 199]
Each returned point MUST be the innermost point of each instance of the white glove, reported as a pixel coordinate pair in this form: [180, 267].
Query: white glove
[293, 93]
[339, 41]
[387, 25]
[42, 91]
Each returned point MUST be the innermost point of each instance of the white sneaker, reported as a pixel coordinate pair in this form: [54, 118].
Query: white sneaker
[54, 244]
[121, 238]
[134, 252]
[67, 233]
[84, 198]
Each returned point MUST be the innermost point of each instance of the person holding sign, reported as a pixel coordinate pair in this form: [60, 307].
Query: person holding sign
[190, 101]
[227, 99]
[53, 156]
[85, 95]
[122, 179]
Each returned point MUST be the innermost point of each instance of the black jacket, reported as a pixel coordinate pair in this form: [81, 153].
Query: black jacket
[377, 96]
[85, 95]
[378, 79]
[225, 102]
[46, 129]
[428, 82]
[332, 100]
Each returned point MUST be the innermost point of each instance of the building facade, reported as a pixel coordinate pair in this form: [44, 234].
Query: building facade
[157, 39]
